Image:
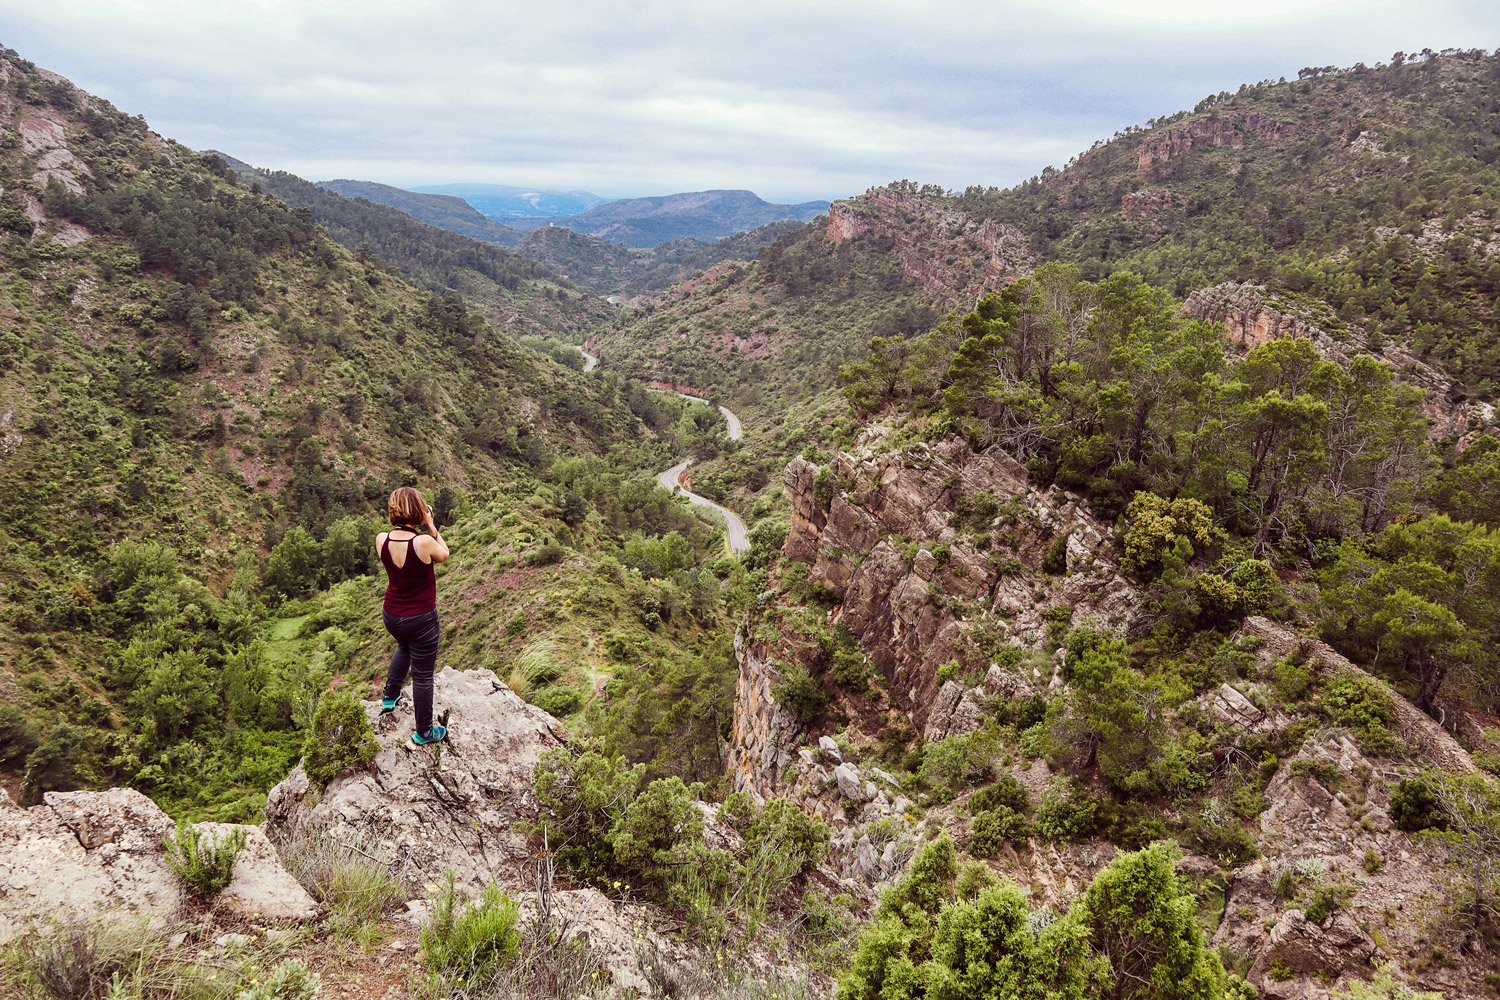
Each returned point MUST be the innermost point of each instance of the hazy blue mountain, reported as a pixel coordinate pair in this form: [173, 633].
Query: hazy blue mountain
[699, 215]
[442, 210]
[501, 201]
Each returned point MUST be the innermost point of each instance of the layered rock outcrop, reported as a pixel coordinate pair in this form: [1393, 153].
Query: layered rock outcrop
[954, 257]
[1251, 317]
[1217, 131]
[919, 585]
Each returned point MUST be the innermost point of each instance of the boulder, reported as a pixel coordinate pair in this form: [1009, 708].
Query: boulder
[830, 748]
[261, 888]
[850, 785]
[456, 804]
[1324, 950]
[84, 855]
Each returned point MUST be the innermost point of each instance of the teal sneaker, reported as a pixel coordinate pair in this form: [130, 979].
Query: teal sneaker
[389, 705]
[434, 735]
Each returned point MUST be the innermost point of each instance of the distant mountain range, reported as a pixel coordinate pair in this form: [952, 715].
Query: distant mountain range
[501, 201]
[700, 215]
[477, 211]
[446, 211]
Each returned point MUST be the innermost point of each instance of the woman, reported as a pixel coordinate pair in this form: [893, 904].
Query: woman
[411, 605]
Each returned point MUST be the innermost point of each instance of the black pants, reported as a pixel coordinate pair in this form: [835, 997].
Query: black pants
[416, 650]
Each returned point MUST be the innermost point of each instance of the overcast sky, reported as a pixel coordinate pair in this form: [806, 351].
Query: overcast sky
[794, 100]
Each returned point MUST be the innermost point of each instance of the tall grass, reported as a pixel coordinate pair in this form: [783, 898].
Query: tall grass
[356, 884]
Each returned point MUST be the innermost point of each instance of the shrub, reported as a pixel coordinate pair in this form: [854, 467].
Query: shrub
[79, 961]
[1007, 792]
[1326, 901]
[996, 827]
[954, 763]
[1067, 813]
[1415, 806]
[1361, 704]
[557, 701]
[1215, 832]
[464, 944]
[800, 693]
[205, 865]
[1154, 525]
[340, 737]
[1055, 559]
[1294, 679]
[291, 980]
[656, 830]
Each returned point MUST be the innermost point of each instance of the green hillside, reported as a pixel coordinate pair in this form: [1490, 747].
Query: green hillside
[1373, 190]
[517, 295]
[211, 399]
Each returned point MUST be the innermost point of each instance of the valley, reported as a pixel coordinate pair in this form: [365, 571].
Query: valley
[1086, 588]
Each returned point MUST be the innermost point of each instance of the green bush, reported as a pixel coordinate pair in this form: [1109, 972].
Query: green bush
[1067, 813]
[800, 693]
[1415, 806]
[465, 944]
[1006, 791]
[996, 827]
[204, 866]
[1326, 901]
[1361, 704]
[341, 737]
[940, 933]
[557, 701]
[1055, 559]
[954, 763]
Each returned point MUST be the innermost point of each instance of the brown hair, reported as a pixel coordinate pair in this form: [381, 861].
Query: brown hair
[406, 506]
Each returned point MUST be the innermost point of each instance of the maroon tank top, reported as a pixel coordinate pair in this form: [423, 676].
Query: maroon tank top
[412, 587]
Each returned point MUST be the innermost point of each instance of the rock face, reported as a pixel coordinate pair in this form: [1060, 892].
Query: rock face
[1250, 319]
[454, 805]
[88, 855]
[1326, 816]
[1231, 131]
[953, 257]
[916, 589]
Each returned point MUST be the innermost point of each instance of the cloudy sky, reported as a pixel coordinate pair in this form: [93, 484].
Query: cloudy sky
[794, 100]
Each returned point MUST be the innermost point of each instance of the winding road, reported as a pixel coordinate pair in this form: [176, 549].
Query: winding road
[670, 480]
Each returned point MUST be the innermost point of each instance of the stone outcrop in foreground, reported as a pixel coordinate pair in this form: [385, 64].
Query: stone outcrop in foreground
[99, 855]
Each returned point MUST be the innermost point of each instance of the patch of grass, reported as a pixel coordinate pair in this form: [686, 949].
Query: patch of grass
[355, 886]
[204, 865]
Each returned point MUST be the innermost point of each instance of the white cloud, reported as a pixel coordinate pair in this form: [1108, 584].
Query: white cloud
[792, 98]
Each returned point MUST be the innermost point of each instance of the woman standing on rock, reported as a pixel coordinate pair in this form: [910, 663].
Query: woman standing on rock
[411, 605]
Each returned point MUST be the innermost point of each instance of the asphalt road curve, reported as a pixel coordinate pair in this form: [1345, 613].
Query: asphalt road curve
[739, 536]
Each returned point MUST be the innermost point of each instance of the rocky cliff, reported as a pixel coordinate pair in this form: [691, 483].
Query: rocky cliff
[933, 555]
[1251, 317]
[951, 570]
[954, 257]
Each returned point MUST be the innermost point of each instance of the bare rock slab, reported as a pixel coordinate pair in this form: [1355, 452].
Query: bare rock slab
[262, 888]
[84, 855]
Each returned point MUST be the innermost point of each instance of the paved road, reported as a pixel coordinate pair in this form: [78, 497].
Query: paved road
[739, 536]
[590, 361]
[733, 422]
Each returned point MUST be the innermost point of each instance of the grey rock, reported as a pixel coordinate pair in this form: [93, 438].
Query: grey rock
[850, 786]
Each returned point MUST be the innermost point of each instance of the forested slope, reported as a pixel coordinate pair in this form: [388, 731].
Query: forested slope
[517, 295]
[210, 400]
